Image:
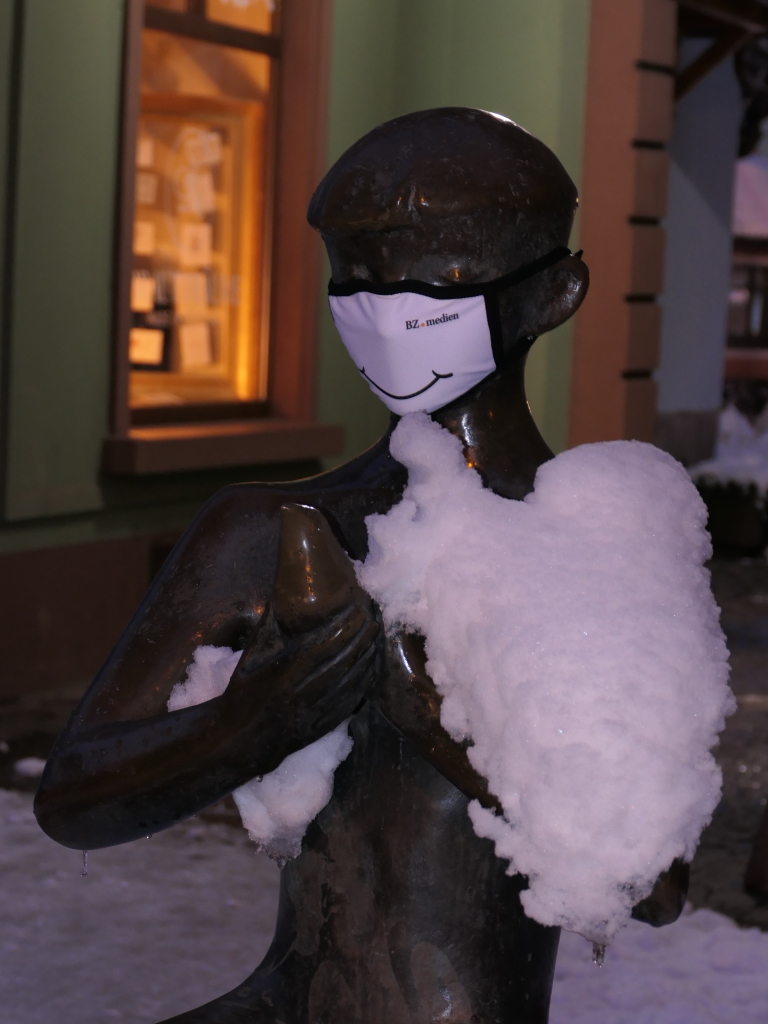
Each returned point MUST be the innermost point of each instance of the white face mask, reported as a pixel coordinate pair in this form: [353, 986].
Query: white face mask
[419, 346]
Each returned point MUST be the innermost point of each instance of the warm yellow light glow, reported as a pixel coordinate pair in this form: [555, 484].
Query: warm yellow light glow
[200, 279]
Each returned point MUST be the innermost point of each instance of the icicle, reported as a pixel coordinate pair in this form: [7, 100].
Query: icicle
[84, 872]
[598, 954]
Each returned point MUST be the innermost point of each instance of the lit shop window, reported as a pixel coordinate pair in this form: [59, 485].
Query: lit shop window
[200, 275]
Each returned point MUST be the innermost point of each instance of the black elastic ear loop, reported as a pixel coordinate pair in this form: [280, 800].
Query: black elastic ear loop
[453, 291]
[493, 310]
[493, 316]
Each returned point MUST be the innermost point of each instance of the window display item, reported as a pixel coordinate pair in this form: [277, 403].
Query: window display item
[143, 288]
[146, 188]
[146, 346]
[144, 238]
[195, 245]
[196, 195]
[145, 152]
[203, 148]
[195, 345]
[190, 294]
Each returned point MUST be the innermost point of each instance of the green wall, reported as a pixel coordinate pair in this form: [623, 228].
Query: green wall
[59, 358]
[362, 95]
[522, 58]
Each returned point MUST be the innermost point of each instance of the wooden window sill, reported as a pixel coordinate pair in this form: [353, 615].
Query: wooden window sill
[190, 446]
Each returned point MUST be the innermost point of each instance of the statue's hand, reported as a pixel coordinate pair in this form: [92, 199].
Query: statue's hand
[312, 657]
[408, 698]
[665, 903]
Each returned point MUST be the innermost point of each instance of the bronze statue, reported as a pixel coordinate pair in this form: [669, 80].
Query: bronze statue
[756, 875]
[395, 911]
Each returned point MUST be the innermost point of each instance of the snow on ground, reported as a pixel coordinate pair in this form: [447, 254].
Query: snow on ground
[703, 969]
[157, 927]
[162, 925]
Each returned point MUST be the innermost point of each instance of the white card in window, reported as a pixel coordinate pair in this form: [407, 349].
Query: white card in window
[146, 188]
[190, 293]
[144, 238]
[145, 346]
[197, 192]
[195, 345]
[142, 293]
[145, 151]
[195, 245]
[203, 148]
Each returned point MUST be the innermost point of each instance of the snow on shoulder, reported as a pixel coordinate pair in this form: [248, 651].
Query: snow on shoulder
[276, 809]
[575, 641]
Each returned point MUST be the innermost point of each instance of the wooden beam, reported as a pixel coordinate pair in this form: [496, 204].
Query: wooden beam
[126, 185]
[303, 91]
[195, 27]
[629, 120]
[732, 38]
[747, 14]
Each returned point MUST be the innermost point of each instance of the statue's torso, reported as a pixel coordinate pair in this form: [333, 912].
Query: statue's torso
[401, 914]
[395, 912]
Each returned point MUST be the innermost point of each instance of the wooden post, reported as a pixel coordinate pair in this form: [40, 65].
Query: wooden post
[629, 114]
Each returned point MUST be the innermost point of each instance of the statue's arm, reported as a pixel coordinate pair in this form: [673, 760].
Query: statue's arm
[665, 903]
[117, 782]
[125, 767]
[408, 698]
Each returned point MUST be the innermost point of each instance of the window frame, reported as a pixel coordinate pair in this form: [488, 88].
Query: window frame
[283, 428]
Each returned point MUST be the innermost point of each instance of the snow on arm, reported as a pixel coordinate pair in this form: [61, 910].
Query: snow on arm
[278, 808]
[574, 639]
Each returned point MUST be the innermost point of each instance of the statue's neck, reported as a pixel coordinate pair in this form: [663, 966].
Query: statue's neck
[501, 440]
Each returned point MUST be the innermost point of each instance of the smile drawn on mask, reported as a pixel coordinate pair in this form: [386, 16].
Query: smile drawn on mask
[437, 377]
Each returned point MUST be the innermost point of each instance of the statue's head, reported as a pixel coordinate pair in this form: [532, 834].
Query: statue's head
[443, 199]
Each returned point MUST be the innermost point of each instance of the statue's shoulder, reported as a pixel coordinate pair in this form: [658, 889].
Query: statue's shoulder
[248, 513]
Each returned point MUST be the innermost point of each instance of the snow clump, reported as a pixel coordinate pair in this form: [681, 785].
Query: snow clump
[575, 642]
[741, 454]
[276, 809]
[207, 677]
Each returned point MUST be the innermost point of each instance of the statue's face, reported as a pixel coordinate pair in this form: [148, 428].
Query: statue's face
[421, 345]
[417, 351]
[411, 355]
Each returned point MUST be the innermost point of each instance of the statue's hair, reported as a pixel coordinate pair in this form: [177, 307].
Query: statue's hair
[452, 162]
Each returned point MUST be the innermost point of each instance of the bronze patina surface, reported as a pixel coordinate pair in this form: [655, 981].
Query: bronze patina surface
[395, 912]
